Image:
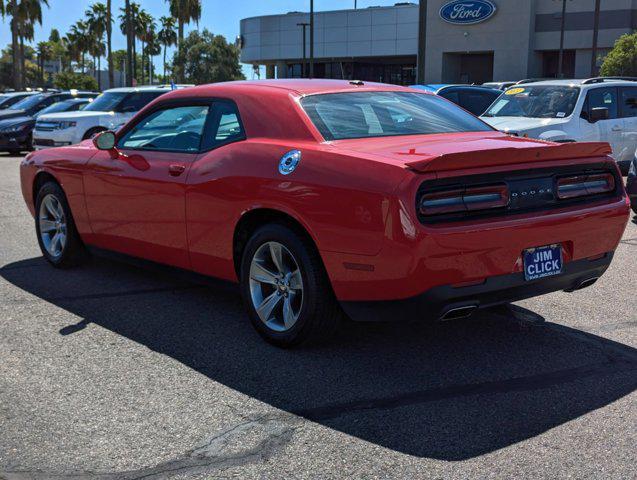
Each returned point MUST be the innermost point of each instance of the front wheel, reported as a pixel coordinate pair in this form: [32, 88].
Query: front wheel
[287, 292]
[57, 236]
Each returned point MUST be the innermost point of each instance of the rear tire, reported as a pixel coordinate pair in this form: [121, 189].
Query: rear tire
[286, 289]
[59, 241]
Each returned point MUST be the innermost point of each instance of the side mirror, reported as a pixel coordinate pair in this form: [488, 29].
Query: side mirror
[104, 141]
[599, 113]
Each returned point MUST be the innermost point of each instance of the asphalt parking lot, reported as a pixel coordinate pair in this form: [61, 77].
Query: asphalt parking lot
[109, 371]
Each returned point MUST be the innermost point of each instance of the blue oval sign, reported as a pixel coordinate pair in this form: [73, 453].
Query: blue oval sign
[467, 12]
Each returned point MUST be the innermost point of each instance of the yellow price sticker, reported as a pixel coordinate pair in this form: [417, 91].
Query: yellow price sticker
[514, 91]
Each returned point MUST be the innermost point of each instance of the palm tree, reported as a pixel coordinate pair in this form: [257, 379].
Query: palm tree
[153, 48]
[97, 20]
[127, 18]
[184, 11]
[79, 42]
[109, 50]
[21, 12]
[144, 29]
[44, 53]
[167, 36]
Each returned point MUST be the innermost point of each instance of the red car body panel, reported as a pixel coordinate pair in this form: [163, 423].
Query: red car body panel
[355, 198]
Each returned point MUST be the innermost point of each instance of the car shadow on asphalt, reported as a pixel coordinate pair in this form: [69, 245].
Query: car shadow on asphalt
[452, 391]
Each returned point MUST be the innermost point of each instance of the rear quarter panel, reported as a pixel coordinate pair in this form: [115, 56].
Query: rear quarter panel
[342, 201]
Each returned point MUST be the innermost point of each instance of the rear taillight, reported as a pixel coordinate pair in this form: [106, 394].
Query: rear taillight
[464, 200]
[583, 185]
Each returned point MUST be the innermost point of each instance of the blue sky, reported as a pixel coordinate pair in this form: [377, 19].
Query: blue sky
[219, 16]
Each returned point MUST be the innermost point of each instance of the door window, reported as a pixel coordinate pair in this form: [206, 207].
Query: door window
[629, 101]
[225, 126]
[603, 97]
[172, 129]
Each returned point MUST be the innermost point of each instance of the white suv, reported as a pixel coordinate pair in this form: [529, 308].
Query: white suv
[107, 112]
[597, 109]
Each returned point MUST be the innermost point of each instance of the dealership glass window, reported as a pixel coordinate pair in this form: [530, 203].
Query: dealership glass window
[171, 129]
[378, 114]
[629, 101]
[603, 97]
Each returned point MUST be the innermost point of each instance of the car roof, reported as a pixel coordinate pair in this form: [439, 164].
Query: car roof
[298, 86]
[479, 88]
[579, 82]
[15, 94]
[146, 88]
[76, 100]
[432, 87]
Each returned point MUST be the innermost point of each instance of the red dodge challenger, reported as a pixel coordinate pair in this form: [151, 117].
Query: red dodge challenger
[320, 197]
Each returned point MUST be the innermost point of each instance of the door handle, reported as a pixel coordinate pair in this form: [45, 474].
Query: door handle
[176, 170]
[616, 128]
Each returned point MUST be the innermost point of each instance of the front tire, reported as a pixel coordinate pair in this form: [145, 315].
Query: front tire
[59, 241]
[285, 287]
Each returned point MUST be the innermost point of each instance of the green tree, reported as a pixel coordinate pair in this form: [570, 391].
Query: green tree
[622, 59]
[184, 11]
[97, 23]
[24, 14]
[207, 58]
[54, 36]
[44, 51]
[68, 80]
[153, 48]
[79, 42]
[109, 42]
[130, 14]
[167, 36]
[145, 30]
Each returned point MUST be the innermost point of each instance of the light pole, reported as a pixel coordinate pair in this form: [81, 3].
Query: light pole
[422, 42]
[560, 73]
[304, 25]
[595, 35]
[311, 38]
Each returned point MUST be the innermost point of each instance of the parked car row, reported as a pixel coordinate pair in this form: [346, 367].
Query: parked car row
[37, 120]
[17, 120]
[602, 109]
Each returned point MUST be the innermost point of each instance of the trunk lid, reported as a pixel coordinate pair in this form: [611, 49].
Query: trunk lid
[457, 151]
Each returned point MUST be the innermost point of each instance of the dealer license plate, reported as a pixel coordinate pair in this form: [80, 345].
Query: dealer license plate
[542, 262]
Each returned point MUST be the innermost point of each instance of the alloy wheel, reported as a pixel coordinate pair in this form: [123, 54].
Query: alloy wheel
[53, 225]
[276, 286]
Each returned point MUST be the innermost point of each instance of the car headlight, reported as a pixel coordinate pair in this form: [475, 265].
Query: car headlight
[64, 125]
[15, 128]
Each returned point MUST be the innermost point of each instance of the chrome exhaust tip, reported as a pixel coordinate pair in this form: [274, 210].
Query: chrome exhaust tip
[459, 312]
[583, 284]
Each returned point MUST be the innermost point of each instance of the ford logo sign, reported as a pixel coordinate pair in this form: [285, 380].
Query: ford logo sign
[467, 12]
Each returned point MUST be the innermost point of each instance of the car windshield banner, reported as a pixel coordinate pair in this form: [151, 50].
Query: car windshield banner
[467, 12]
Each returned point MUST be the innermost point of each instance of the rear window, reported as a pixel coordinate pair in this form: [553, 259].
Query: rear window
[340, 116]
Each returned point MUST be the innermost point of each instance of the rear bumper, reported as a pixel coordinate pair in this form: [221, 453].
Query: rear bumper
[439, 301]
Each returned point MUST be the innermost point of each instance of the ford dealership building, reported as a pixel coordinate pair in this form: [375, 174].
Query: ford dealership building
[467, 40]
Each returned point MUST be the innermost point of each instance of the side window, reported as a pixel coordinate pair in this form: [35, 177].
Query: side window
[603, 97]
[629, 101]
[225, 125]
[135, 101]
[171, 129]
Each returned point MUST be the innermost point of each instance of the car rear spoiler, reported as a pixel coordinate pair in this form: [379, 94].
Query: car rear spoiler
[509, 155]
